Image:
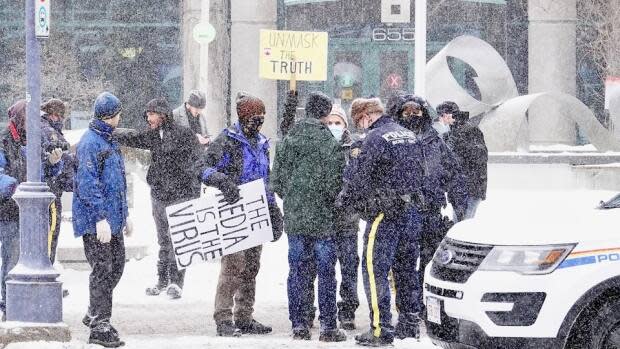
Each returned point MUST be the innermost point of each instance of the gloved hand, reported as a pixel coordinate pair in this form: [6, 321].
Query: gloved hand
[128, 230]
[229, 189]
[277, 223]
[104, 232]
[7, 185]
[54, 156]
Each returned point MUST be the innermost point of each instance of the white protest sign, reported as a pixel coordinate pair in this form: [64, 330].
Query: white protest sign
[208, 228]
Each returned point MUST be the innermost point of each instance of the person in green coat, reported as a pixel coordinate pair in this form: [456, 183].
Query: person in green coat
[307, 174]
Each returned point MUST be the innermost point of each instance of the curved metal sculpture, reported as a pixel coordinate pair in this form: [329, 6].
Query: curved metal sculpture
[503, 111]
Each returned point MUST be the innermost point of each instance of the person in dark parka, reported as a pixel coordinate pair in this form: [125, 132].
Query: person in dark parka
[467, 143]
[55, 144]
[442, 175]
[239, 155]
[173, 177]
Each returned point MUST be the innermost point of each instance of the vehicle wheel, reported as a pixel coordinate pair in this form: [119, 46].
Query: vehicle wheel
[605, 327]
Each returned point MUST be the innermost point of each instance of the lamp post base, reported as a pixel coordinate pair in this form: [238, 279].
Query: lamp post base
[34, 301]
[16, 332]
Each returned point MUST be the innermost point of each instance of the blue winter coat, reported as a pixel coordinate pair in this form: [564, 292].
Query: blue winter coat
[100, 190]
[243, 161]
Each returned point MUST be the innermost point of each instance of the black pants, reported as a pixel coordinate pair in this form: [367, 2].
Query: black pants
[167, 271]
[107, 262]
[434, 229]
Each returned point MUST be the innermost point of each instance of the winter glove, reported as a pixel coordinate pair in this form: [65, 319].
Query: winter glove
[229, 189]
[277, 224]
[7, 185]
[128, 231]
[104, 232]
[54, 156]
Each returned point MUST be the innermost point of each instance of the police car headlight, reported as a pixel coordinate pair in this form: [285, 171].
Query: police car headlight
[526, 259]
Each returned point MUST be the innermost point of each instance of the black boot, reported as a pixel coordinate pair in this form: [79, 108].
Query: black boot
[408, 326]
[162, 280]
[301, 334]
[252, 327]
[347, 320]
[334, 335]
[105, 335]
[368, 339]
[227, 329]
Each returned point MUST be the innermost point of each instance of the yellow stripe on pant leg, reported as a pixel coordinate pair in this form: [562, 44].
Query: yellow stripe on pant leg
[371, 275]
[50, 235]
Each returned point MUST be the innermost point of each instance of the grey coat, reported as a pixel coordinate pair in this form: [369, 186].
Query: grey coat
[181, 116]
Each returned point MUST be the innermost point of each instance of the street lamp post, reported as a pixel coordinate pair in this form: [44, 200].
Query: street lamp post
[34, 296]
[420, 48]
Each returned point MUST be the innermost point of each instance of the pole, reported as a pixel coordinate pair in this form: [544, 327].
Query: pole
[420, 47]
[33, 294]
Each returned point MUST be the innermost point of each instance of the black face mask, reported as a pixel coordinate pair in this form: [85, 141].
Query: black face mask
[412, 122]
[252, 125]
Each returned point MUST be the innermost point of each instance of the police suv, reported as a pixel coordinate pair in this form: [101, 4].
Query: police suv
[544, 275]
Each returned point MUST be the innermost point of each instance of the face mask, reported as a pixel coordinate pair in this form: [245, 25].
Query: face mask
[440, 127]
[337, 131]
[253, 124]
[58, 125]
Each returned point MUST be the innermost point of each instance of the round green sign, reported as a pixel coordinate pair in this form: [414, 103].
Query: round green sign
[204, 33]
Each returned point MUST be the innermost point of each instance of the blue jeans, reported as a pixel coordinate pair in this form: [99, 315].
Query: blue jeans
[303, 251]
[391, 243]
[9, 238]
[346, 251]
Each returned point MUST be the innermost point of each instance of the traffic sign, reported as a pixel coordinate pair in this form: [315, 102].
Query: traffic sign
[204, 33]
[42, 18]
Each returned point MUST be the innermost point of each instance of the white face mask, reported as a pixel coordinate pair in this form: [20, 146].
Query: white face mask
[440, 127]
[337, 131]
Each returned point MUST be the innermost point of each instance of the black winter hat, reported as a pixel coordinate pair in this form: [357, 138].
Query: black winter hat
[159, 105]
[318, 105]
[197, 99]
[447, 107]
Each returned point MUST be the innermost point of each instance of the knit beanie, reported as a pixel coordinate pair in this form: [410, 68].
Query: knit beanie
[248, 105]
[107, 106]
[338, 111]
[160, 106]
[318, 105]
[197, 99]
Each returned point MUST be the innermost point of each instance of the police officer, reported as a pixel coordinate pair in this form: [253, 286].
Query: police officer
[441, 175]
[380, 190]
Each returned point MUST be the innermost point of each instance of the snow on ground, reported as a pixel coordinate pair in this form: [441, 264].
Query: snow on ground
[157, 322]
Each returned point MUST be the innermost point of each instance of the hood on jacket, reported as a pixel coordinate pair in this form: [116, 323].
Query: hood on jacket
[398, 107]
[17, 120]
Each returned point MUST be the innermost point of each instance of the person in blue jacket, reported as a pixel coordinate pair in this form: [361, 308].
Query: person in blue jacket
[381, 189]
[100, 214]
[239, 155]
[441, 175]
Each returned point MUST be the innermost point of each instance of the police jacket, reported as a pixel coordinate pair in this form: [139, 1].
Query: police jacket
[100, 189]
[386, 176]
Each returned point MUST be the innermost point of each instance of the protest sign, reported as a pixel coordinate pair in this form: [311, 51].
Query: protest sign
[208, 228]
[286, 54]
